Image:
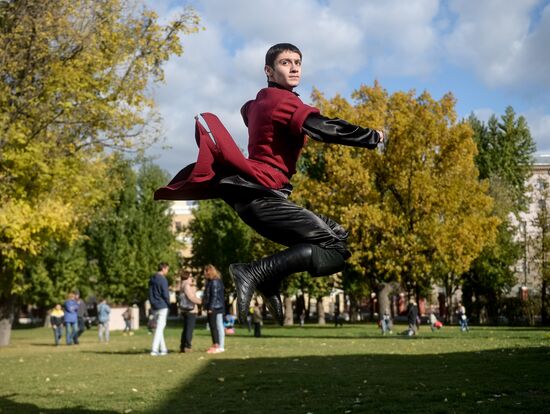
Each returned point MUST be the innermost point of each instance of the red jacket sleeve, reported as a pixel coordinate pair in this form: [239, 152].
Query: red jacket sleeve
[293, 112]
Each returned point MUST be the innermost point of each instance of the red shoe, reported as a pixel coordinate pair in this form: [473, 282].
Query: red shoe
[214, 349]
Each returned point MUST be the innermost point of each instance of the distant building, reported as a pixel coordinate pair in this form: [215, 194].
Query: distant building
[527, 269]
[182, 214]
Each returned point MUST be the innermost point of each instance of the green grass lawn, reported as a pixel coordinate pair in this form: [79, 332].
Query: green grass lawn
[312, 369]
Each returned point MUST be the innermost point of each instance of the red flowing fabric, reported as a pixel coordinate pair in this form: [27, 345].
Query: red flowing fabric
[218, 157]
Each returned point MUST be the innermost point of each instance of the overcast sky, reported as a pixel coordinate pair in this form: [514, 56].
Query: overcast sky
[488, 53]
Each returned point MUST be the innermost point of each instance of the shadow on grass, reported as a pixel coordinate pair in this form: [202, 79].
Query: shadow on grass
[137, 351]
[503, 381]
[7, 405]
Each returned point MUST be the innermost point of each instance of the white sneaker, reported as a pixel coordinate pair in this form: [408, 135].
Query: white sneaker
[163, 353]
[153, 353]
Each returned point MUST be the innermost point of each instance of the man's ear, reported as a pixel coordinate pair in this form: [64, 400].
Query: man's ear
[268, 71]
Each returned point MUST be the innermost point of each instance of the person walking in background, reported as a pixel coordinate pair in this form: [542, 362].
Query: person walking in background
[386, 324]
[56, 320]
[127, 316]
[82, 314]
[70, 318]
[412, 317]
[214, 303]
[103, 317]
[462, 318]
[337, 317]
[258, 320]
[188, 302]
[159, 297]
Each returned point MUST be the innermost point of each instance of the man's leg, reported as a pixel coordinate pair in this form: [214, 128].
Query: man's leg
[213, 328]
[184, 331]
[189, 328]
[158, 338]
[317, 245]
[161, 324]
[107, 331]
[221, 330]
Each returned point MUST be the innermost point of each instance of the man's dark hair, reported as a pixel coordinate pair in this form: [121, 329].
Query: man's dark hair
[162, 266]
[277, 49]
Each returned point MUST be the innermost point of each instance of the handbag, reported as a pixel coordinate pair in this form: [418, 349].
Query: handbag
[185, 303]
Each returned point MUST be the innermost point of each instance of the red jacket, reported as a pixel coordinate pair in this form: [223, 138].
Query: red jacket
[274, 119]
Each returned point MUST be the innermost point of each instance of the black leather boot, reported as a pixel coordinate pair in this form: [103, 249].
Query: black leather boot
[323, 262]
[271, 293]
[268, 273]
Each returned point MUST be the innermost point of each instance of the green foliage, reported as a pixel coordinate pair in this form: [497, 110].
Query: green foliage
[125, 244]
[121, 247]
[504, 159]
[505, 152]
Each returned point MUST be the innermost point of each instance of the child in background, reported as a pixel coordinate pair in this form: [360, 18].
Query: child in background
[56, 320]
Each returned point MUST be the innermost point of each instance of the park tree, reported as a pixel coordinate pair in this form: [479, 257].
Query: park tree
[119, 249]
[124, 244]
[74, 83]
[504, 159]
[219, 238]
[414, 208]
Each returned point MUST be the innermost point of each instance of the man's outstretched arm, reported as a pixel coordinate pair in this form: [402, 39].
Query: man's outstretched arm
[338, 131]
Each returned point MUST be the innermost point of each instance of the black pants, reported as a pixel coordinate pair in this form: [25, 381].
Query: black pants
[214, 327]
[257, 329]
[280, 220]
[189, 320]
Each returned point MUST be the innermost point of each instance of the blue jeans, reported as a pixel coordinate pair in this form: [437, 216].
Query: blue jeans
[71, 332]
[57, 333]
[103, 331]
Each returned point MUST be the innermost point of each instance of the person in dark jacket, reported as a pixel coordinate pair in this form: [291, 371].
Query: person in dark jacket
[81, 316]
[412, 317]
[159, 297]
[258, 187]
[214, 304]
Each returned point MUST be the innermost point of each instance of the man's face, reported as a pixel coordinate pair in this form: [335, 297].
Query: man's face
[286, 70]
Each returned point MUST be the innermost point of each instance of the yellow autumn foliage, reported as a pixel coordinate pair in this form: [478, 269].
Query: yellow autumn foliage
[414, 205]
[74, 92]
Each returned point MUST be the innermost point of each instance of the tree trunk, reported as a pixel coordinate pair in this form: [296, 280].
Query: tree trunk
[320, 311]
[6, 319]
[383, 295]
[543, 299]
[289, 312]
[353, 310]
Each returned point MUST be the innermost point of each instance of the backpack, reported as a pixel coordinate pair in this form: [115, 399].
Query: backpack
[185, 303]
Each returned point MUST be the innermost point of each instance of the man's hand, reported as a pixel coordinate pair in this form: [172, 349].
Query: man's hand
[381, 133]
